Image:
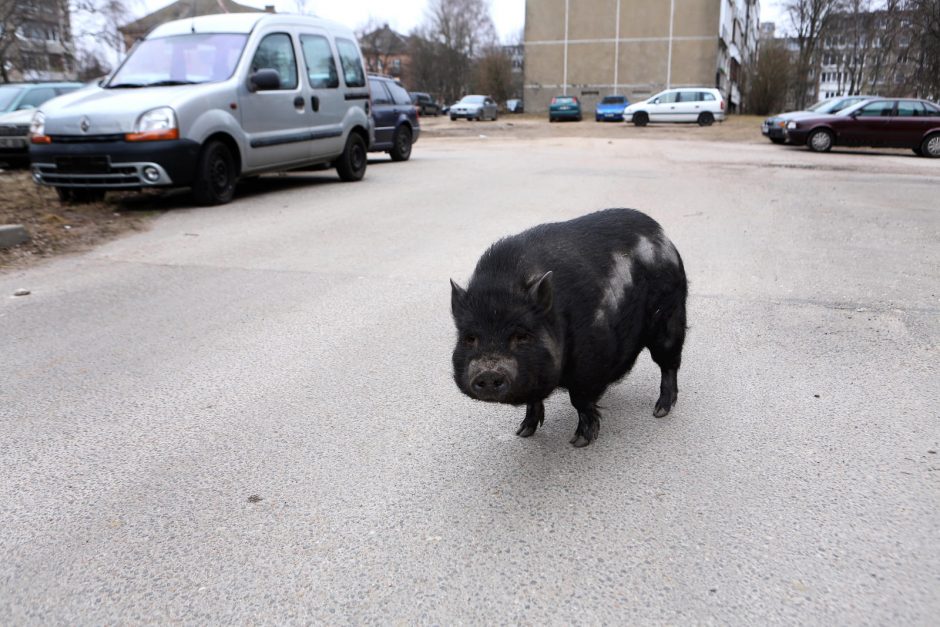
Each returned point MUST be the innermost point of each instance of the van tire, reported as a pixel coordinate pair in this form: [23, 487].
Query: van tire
[705, 118]
[215, 174]
[641, 119]
[351, 165]
[401, 144]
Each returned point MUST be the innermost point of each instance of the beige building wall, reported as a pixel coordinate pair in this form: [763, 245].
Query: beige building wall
[593, 42]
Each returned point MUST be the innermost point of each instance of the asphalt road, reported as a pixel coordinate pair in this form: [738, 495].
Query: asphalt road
[246, 415]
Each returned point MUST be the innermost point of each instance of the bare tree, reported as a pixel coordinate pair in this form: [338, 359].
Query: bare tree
[492, 74]
[925, 15]
[768, 78]
[810, 21]
[455, 33]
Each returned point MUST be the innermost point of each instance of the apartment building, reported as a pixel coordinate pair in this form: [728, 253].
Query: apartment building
[593, 48]
[37, 41]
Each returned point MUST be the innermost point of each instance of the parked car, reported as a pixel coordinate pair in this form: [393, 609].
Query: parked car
[425, 103]
[882, 122]
[610, 109]
[564, 108]
[395, 119]
[703, 105]
[19, 96]
[514, 105]
[18, 102]
[774, 128]
[474, 108]
[203, 101]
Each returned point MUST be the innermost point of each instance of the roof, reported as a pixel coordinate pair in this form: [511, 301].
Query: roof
[241, 23]
[182, 9]
[384, 40]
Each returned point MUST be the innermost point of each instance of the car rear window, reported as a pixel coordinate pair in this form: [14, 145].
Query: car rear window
[380, 95]
[613, 100]
[910, 109]
[399, 95]
[707, 95]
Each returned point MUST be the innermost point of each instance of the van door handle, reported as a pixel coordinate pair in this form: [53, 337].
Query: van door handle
[299, 103]
[315, 103]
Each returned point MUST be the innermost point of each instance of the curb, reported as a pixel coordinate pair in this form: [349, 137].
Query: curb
[12, 235]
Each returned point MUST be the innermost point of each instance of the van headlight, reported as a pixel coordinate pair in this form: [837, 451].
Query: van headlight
[37, 129]
[156, 124]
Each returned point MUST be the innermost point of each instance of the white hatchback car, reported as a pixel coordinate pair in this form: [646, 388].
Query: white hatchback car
[703, 105]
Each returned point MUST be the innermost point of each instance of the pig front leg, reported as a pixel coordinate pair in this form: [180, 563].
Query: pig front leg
[534, 417]
[589, 423]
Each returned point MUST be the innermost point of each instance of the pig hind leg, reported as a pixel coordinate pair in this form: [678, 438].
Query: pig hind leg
[666, 348]
[534, 417]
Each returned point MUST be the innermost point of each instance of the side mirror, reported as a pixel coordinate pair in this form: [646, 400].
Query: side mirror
[264, 79]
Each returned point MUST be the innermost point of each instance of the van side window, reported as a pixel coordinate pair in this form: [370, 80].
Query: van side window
[689, 96]
[321, 67]
[379, 93]
[668, 97]
[276, 52]
[352, 64]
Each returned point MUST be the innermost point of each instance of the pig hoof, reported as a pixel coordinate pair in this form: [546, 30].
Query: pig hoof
[579, 441]
[663, 405]
[525, 430]
[660, 411]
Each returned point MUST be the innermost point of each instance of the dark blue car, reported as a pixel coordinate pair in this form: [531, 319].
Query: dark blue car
[610, 109]
[395, 118]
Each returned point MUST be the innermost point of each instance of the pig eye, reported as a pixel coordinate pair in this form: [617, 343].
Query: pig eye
[521, 337]
[469, 339]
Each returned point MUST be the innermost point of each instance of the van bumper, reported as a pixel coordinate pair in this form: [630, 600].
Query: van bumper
[114, 164]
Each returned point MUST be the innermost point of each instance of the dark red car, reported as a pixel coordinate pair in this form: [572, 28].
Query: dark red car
[883, 122]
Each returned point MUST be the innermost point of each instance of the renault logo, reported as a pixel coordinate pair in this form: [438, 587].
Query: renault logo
[85, 125]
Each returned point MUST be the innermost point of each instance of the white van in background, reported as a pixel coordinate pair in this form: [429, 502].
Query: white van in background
[703, 105]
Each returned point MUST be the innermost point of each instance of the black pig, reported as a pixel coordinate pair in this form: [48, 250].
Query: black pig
[571, 305]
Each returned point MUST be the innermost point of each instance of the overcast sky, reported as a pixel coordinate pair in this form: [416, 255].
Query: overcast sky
[401, 15]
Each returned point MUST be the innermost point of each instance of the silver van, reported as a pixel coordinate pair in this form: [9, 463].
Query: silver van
[203, 101]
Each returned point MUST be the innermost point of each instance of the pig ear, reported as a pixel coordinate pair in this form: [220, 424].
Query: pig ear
[542, 293]
[458, 298]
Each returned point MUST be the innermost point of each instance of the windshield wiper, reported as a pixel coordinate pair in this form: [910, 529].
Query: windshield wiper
[170, 83]
[125, 86]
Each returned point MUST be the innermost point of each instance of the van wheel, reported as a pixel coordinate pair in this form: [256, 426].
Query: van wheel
[401, 144]
[641, 119]
[705, 118]
[351, 165]
[215, 174]
[819, 141]
[931, 146]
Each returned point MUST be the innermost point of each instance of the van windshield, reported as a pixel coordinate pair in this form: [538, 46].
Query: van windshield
[180, 60]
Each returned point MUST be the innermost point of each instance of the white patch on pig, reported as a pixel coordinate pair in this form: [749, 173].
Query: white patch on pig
[659, 250]
[645, 250]
[615, 288]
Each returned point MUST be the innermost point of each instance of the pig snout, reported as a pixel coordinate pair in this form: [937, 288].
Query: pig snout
[491, 379]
